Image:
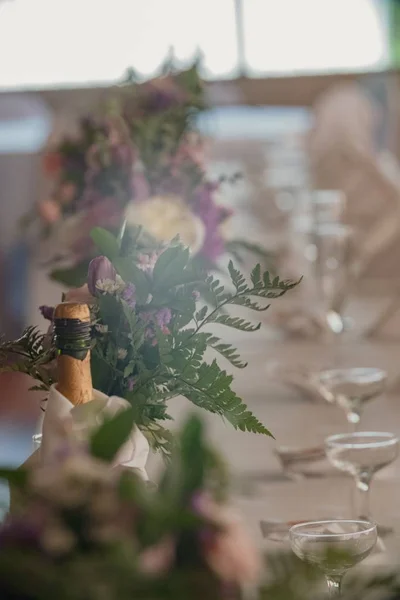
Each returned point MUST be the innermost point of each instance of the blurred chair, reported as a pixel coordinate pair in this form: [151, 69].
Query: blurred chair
[344, 155]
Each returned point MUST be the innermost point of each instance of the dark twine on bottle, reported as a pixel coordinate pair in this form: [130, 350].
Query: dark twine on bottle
[72, 337]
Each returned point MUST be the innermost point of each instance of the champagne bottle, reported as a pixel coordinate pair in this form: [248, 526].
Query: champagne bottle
[72, 338]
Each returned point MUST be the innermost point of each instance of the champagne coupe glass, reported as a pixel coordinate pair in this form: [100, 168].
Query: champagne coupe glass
[351, 540]
[351, 388]
[361, 455]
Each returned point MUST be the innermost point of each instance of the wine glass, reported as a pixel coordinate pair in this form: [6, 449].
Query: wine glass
[330, 241]
[361, 455]
[351, 388]
[327, 206]
[350, 542]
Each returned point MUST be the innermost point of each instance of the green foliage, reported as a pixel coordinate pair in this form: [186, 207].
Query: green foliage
[106, 243]
[73, 276]
[154, 350]
[31, 354]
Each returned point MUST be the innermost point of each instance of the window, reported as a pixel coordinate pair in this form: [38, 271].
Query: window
[289, 36]
[75, 42]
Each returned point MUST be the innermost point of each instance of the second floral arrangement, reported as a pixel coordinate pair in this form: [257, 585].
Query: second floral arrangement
[141, 161]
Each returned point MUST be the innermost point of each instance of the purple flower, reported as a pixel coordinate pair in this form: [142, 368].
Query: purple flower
[129, 295]
[131, 383]
[19, 531]
[47, 312]
[100, 268]
[163, 318]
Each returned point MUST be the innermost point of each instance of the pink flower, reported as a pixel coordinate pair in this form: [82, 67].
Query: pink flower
[140, 187]
[157, 559]
[49, 211]
[229, 551]
[81, 295]
[232, 556]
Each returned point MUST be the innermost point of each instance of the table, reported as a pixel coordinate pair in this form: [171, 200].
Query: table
[296, 420]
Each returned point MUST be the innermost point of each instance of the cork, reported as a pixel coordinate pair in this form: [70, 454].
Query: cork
[74, 375]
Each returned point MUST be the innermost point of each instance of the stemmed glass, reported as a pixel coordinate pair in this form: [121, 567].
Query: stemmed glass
[362, 455]
[331, 242]
[351, 540]
[327, 206]
[351, 388]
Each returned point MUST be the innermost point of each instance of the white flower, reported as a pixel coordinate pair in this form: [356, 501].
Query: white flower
[165, 217]
[110, 286]
[122, 353]
[107, 285]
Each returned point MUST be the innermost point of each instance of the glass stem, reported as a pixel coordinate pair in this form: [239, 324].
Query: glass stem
[363, 481]
[121, 231]
[354, 414]
[334, 585]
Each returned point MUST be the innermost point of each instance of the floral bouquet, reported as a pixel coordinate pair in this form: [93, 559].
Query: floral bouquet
[150, 332]
[142, 162]
[86, 531]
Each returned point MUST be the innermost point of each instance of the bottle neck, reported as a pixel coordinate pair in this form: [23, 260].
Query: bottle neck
[72, 338]
[75, 378]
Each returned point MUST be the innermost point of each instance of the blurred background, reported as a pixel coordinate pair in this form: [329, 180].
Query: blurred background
[302, 94]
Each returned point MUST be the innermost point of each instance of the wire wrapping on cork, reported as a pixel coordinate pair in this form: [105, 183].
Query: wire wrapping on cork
[73, 337]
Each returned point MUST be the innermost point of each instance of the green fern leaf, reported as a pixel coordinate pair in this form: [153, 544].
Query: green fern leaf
[236, 323]
[226, 350]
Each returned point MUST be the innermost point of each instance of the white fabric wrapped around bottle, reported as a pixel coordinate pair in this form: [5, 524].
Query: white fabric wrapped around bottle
[61, 416]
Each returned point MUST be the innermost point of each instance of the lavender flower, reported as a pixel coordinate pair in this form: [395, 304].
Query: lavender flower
[131, 383]
[100, 268]
[129, 295]
[163, 318]
[47, 312]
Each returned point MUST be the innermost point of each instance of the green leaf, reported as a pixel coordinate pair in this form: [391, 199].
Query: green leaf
[192, 453]
[112, 435]
[15, 477]
[238, 279]
[105, 242]
[245, 301]
[169, 269]
[73, 277]
[200, 315]
[236, 323]
[256, 275]
[226, 350]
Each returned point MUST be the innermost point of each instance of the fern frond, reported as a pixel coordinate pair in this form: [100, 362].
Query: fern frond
[226, 350]
[211, 390]
[235, 323]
